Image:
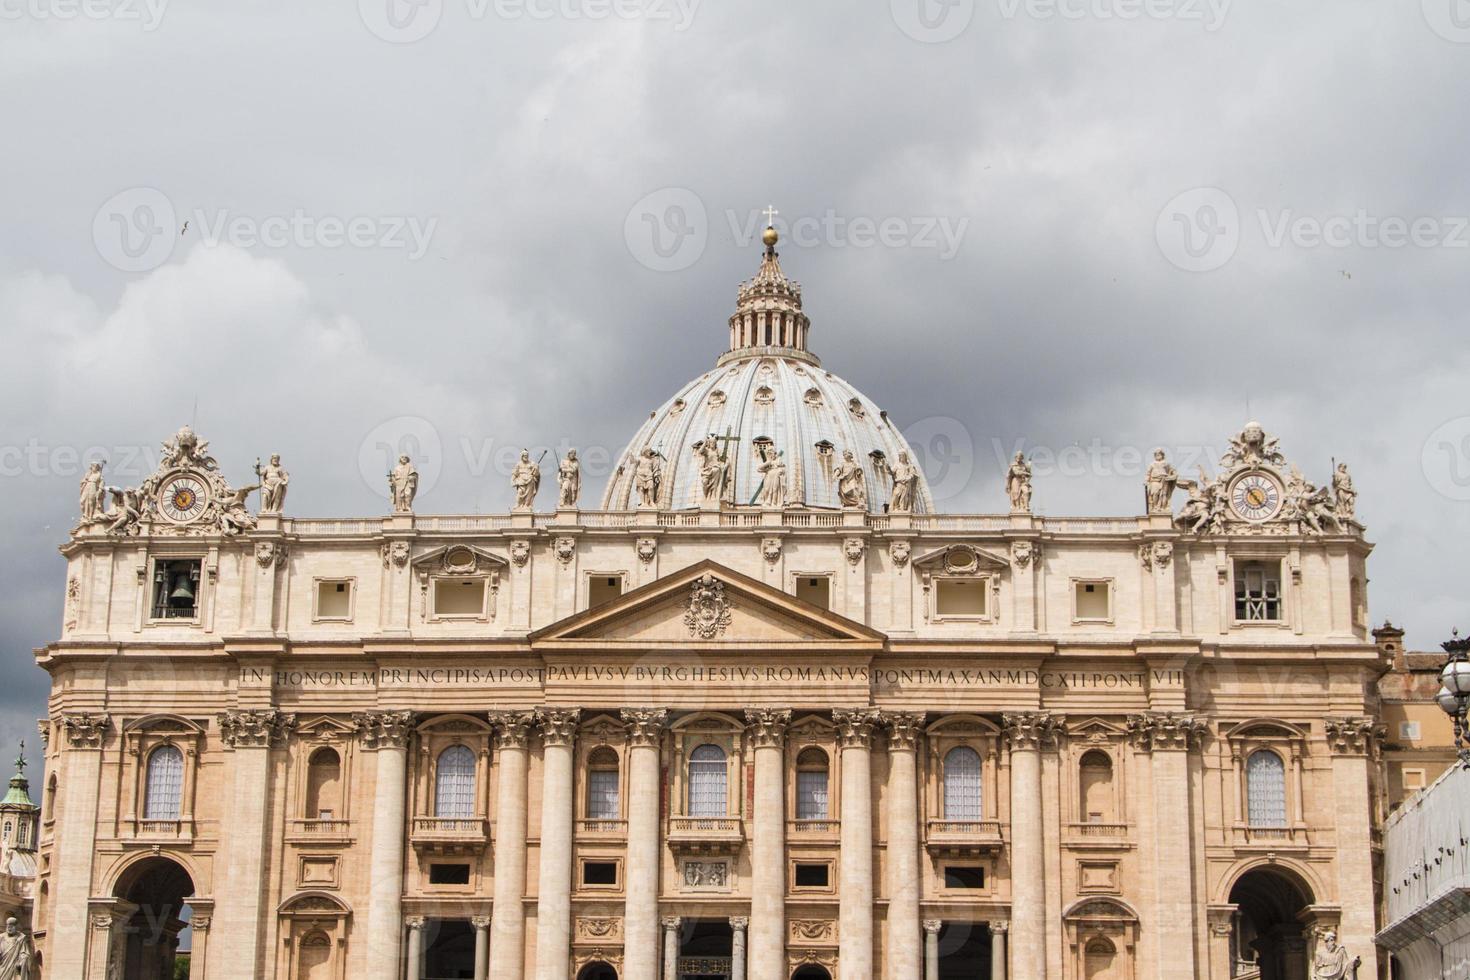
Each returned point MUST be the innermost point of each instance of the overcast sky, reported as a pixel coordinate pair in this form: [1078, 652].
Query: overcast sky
[1080, 227]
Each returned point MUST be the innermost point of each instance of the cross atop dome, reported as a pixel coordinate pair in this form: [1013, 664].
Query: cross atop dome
[768, 317]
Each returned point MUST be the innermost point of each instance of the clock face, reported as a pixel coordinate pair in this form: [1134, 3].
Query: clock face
[182, 499]
[1255, 497]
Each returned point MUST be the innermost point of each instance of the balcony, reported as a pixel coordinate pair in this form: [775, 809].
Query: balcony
[320, 830]
[812, 831]
[178, 831]
[1270, 837]
[450, 835]
[1097, 834]
[964, 838]
[705, 835]
[600, 829]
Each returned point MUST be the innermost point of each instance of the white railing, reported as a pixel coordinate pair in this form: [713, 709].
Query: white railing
[812, 828]
[315, 527]
[704, 825]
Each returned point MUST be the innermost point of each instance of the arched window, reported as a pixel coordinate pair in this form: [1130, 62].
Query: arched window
[962, 784]
[1265, 789]
[602, 784]
[165, 791]
[707, 782]
[324, 785]
[454, 783]
[1096, 785]
[812, 772]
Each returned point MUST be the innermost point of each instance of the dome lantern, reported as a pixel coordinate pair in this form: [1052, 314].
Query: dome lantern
[768, 317]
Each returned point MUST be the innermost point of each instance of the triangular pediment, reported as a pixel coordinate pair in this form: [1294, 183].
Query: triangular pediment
[707, 604]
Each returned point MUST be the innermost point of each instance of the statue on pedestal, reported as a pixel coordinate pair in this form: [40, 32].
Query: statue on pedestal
[17, 953]
[403, 485]
[568, 480]
[1159, 484]
[772, 491]
[647, 478]
[712, 472]
[1018, 485]
[273, 481]
[852, 487]
[1332, 961]
[94, 494]
[526, 480]
[1346, 497]
[905, 481]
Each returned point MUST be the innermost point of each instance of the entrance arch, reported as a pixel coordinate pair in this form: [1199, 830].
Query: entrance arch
[1267, 933]
[597, 971]
[157, 889]
[811, 973]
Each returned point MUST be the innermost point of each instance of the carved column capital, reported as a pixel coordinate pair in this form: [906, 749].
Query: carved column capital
[739, 923]
[645, 725]
[855, 726]
[255, 728]
[414, 921]
[1165, 731]
[558, 725]
[200, 923]
[1000, 927]
[767, 726]
[1353, 734]
[1032, 730]
[904, 729]
[512, 728]
[84, 730]
[43, 727]
[481, 922]
[670, 922]
[385, 729]
[932, 926]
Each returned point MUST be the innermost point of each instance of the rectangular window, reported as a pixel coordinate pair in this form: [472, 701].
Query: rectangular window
[811, 794]
[449, 874]
[1408, 731]
[602, 589]
[960, 876]
[1257, 591]
[602, 794]
[599, 873]
[813, 875]
[334, 600]
[960, 598]
[1093, 602]
[816, 589]
[1413, 780]
[459, 597]
[176, 588]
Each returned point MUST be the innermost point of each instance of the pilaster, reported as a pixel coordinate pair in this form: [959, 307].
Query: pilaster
[387, 733]
[554, 899]
[855, 902]
[640, 912]
[766, 734]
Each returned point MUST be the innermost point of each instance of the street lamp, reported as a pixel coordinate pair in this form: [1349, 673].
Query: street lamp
[1454, 696]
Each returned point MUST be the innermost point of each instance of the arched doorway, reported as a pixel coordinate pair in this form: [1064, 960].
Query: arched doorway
[1267, 935]
[157, 887]
[597, 971]
[811, 973]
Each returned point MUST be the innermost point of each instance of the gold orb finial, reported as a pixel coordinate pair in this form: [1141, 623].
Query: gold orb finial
[770, 236]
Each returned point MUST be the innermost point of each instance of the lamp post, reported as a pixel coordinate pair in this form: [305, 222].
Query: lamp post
[1454, 695]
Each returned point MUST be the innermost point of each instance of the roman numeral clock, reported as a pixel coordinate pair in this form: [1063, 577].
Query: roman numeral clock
[183, 498]
[1255, 496]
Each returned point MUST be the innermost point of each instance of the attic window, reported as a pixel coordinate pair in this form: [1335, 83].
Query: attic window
[816, 589]
[602, 589]
[960, 598]
[764, 395]
[812, 397]
[334, 599]
[459, 597]
[1257, 591]
[1094, 602]
[855, 406]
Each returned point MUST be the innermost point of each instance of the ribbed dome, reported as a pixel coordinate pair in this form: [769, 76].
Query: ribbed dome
[776, 393]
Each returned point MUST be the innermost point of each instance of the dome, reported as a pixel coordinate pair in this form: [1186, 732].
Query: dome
[767, 394]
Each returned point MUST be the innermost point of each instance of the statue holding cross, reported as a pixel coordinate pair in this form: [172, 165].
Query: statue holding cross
[714, 468]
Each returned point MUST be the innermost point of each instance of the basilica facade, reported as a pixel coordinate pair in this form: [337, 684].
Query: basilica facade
[764, 713]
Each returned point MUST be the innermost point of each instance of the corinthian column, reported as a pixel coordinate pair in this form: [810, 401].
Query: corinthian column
[387, 733]
[76, 843]
[738, 926]
[931, 948]
[1353, 741]
[640, 910]
[554, 901]
[240, 912]
[508, 925]
[671, 947]
[855, 904]
[482, 946]
[902, 948]
[767, 943]
[1168, 738]
[1027, 731]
